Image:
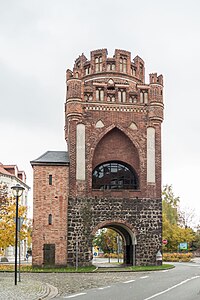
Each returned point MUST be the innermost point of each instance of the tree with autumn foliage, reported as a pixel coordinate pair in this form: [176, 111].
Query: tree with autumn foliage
[173, 230]
[7, 218]
[106, 240]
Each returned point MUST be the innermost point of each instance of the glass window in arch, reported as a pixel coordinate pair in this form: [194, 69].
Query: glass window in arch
[114, 175]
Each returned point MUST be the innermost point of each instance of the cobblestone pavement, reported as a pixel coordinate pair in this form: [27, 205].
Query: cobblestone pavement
[26, 289]
[40, 285]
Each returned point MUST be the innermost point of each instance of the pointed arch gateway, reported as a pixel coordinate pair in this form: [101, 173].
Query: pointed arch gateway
[115, 162]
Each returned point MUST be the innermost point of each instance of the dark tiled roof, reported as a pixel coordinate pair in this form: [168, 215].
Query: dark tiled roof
[52, 157]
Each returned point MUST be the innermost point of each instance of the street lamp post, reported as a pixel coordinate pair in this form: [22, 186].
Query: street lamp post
[20, 223]
[17, 192]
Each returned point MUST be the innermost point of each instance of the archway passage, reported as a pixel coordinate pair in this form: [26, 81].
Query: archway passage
[128, 240]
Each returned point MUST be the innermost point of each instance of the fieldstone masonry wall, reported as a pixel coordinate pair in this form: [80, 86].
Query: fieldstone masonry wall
[144, 215]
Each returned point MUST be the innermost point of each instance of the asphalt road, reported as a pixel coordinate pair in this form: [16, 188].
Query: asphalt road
[182, 282]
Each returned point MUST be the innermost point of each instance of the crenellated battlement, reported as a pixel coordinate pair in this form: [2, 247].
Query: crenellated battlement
[116, 80]
[100, 63]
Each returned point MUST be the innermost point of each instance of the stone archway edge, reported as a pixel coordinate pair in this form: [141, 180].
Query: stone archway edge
[114, 222]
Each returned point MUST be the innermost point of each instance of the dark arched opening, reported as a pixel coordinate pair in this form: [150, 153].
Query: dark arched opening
[128, 241]
[114, 175]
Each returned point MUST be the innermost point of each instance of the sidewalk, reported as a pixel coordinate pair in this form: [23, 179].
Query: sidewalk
[27, 289]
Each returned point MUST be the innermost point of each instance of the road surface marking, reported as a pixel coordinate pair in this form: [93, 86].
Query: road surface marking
[143, 277]
[129, 281]
[104, 287]
[191, 265]
[171, 288]
[76, 295]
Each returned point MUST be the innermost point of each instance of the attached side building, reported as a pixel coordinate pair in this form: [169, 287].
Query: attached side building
[50, 194]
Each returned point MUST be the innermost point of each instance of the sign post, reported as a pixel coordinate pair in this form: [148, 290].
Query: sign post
[183, 246]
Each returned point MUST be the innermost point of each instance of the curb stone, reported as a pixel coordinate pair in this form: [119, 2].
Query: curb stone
[51, 293]
[27, 289]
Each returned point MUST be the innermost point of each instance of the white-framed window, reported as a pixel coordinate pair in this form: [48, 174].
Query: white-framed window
[87, 70]
[132, 99]
[141, 97]
[98, 63]
[144, 96]
[99, 94]
[88, 97]
[123, 64]
[133, 71]
[110, 67]
[122, 95]
[111, 98]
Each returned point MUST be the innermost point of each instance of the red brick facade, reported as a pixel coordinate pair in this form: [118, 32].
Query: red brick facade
[111, 115]
[50, 199]
[117, 139]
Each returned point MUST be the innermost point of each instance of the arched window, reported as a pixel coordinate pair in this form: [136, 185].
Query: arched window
[114, 175]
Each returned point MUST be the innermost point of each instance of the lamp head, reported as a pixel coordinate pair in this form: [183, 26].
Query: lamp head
[17, 190]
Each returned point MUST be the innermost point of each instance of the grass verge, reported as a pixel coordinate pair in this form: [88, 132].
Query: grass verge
[30, 269]
[136, 268]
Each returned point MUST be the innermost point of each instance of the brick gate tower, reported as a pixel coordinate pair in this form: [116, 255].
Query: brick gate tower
[111, 175]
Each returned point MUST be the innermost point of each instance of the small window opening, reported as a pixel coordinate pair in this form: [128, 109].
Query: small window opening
[50, 179]
[50, 219]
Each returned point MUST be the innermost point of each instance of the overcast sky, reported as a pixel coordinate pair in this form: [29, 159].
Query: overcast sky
[40, 39]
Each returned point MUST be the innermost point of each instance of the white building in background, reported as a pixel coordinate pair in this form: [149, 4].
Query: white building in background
[10, 176]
